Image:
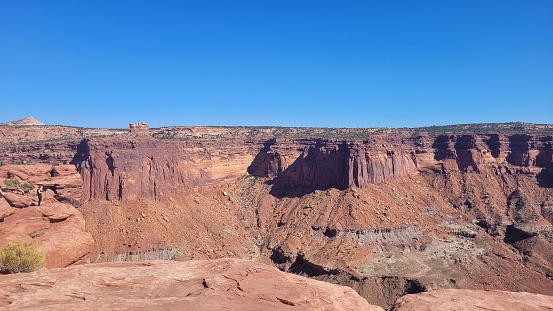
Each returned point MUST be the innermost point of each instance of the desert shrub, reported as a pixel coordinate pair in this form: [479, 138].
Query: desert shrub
[12, 182]
[19, 257]
[16, 183]
[2, 163]
[17, 162]
[27, 186]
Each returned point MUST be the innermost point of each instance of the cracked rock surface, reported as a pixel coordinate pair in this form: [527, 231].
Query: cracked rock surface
[221, 284]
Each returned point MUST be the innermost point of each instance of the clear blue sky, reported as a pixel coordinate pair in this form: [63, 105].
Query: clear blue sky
[267, 62]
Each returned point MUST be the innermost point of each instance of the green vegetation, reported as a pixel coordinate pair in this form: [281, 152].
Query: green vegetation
[19, 257]
[26, 187]
[12, 183]
[17, 162]
[214, 133]
[485, 128]
[2, 163]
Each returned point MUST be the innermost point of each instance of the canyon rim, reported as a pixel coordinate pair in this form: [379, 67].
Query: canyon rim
[386, 212]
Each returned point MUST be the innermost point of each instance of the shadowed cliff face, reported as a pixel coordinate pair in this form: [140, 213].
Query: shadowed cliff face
[323, 165]
[266, 163]
[319, 167]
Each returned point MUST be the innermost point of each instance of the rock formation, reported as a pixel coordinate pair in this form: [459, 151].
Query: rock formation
[141, 129]
[224, 284]
[386, 213]
[24, 122]
[324, 165]
[468, 300]
[149, 168]
[58, 229]
[64, 182]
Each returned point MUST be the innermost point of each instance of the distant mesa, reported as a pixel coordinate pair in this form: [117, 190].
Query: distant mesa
[24, 122]
[139, 128]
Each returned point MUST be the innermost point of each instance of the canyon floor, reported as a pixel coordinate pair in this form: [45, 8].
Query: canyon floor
[385, 212]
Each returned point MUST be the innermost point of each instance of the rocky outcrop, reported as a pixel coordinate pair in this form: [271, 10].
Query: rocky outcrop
[387, 214]
[323, 165]
[126, 170]
[224, 284]
[366, 167]
[267, 163]
[64, 182]
[151, 168]
[17, 200]
[472, 153]
[58, 229]
[141, 129]
[469, 300]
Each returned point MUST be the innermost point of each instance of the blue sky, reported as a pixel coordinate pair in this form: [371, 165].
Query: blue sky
[267, 62]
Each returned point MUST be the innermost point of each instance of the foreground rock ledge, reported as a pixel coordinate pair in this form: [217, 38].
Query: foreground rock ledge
[469, 300]
[221, 284]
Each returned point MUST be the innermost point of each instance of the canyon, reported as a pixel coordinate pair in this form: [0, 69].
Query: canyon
[386, 212]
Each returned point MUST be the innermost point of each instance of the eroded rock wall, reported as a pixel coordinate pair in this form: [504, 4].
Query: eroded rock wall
[149, 168]
[387, 215]
[322, 164]
[472, 153]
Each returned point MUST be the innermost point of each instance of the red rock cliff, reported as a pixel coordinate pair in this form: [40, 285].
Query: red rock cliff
[148, 167]
[323, 165]
[151, 168]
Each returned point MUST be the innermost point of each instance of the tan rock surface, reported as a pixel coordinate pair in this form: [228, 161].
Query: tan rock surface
[469, 300]
[223, 284]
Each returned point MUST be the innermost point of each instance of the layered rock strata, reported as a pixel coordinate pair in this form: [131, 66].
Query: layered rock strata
[386, 214]
[148, 168]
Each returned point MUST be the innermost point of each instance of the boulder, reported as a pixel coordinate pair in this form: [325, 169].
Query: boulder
[17, 200]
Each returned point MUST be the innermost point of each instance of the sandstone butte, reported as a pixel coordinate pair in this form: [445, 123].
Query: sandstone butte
[387, 212]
